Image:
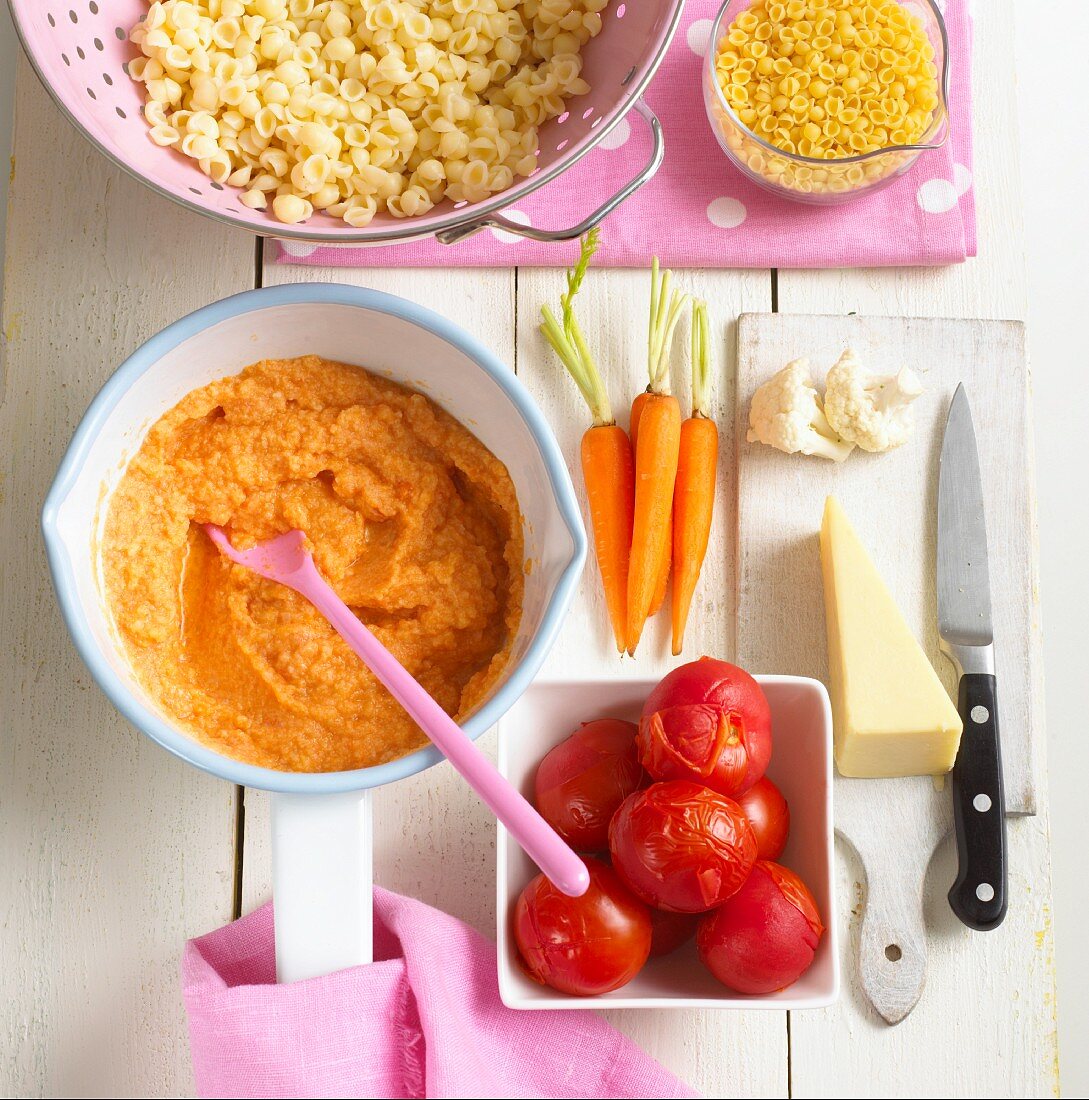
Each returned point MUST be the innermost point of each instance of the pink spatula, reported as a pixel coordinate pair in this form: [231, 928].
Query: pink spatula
[287, 561]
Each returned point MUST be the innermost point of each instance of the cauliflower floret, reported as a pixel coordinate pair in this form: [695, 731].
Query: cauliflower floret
[871, 410]
[786, 413]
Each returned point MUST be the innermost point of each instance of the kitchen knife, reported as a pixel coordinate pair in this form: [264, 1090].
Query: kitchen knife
[978, 896]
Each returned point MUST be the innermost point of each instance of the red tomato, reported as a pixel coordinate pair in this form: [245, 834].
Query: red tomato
[682, 847]
[670, 930]
[769, 815]
[582, 781]
[585, 945]
[764, 937]
[710, 722]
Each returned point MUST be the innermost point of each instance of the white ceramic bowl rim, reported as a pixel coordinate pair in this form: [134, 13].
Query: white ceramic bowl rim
[679, 981]
[183, 745]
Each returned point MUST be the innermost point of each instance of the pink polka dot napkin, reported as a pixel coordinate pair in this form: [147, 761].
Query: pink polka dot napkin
[423, 1020]
[699, 211]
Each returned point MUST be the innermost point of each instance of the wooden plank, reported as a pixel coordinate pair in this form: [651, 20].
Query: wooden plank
[1056, 229]
[987, 1022]
[718, 1053]
[114, 852]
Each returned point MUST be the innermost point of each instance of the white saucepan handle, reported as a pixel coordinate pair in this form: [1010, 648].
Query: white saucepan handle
[321, 883]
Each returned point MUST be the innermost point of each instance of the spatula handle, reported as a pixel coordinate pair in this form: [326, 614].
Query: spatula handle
[978, 897]
[542, 844]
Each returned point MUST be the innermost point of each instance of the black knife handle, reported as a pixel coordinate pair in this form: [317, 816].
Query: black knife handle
[978, 897]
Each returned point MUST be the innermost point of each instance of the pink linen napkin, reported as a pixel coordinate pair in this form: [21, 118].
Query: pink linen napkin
[423, 1020]
[699, 211]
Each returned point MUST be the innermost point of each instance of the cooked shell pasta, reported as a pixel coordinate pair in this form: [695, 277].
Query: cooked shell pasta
[361, 106]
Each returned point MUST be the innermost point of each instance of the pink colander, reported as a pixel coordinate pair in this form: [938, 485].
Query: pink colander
[80, 48]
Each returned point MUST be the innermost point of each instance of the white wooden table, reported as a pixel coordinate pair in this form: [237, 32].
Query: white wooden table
[113, 852]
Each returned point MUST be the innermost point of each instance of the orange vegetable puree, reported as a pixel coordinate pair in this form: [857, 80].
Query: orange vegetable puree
[409, 516]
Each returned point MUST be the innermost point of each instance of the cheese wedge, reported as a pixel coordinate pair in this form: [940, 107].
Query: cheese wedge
[892, 715]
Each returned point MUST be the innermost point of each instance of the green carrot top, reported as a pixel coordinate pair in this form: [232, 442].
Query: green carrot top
[701, 360]
[665, 311]
[570, 345]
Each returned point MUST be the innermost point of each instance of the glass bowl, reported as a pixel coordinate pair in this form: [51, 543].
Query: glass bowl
[810, 179]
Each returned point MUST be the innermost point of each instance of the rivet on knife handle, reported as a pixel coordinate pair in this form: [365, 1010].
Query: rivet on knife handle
[978, 897]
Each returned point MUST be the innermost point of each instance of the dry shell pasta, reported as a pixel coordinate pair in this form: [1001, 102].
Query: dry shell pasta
[829, 79]
[360, 106]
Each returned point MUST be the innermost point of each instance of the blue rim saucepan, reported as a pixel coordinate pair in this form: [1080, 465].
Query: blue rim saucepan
[386, 334]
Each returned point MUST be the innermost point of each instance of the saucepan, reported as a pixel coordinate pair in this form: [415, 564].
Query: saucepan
[320, 821]
[80, 48]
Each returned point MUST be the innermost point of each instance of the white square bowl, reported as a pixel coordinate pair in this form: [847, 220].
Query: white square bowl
[801, 766]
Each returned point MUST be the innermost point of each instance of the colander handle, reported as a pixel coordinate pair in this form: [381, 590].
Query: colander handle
[548, 236]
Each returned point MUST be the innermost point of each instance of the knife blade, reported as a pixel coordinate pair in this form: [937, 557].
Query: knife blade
[965, 626]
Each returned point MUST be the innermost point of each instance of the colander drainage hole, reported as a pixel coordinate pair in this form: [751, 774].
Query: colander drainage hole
[108, 79]
[72, 15]
[64, 58]
[98, 45]
[120, 112]
[51, 20]
[92, 7]
[90, 92]
[80, 54]
[120, 32]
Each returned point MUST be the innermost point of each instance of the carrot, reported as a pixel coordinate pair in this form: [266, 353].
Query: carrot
[637, 407]
[694, 494]
[655, 473]
[608, 467]
[657, 419]
[662, 583]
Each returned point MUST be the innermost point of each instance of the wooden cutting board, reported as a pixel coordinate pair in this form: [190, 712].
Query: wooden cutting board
[894, 825]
